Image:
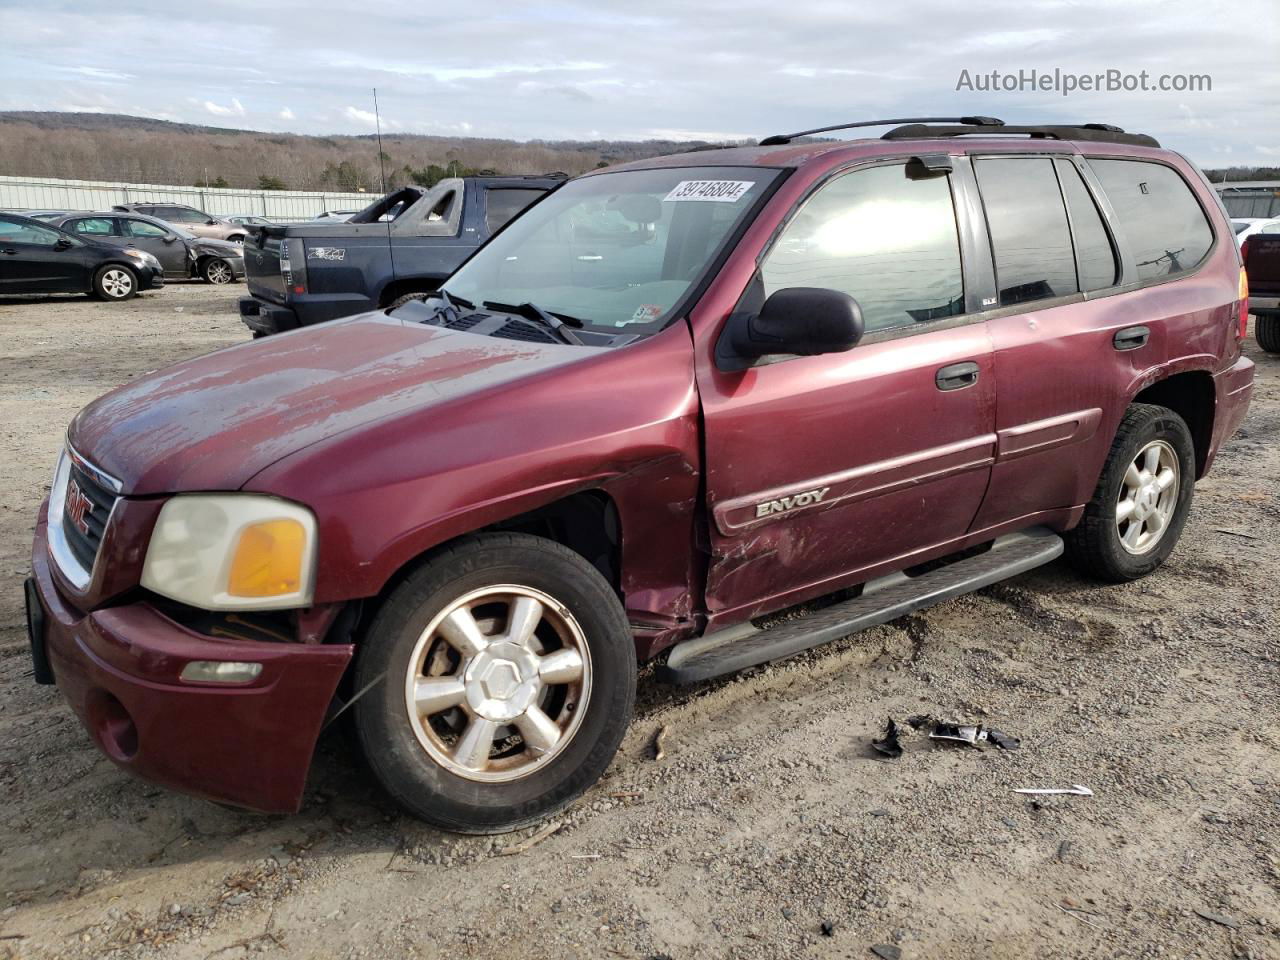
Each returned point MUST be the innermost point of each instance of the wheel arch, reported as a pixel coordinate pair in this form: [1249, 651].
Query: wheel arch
[400, 286]
[1191, 395]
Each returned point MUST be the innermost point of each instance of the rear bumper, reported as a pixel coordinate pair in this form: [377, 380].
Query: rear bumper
[248, 744]
[266, 318]
[1264, 305]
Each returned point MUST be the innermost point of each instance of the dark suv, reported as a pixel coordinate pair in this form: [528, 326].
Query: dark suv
[846, 380]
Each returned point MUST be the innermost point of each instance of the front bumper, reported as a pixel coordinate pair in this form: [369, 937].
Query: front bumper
[247, 744]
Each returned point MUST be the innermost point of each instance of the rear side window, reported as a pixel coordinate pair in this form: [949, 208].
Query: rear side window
[95, 226]
[502, 205]
[1030, 239]
[1158, 215]
[140, 228]
[887, 239]
[1096, 265]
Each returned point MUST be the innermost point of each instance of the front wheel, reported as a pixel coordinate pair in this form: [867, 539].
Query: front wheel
[503, 678]
[115, 282]
[217, 271]
[1142, 499]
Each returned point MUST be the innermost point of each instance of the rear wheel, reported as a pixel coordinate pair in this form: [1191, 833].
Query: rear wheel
[216, 270]
[115, 282]
[1142, 499]
[1267, 332]
[503, 675]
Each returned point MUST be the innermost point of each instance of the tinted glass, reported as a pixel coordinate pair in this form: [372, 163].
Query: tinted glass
[15, 232]
[618, 251]
[502, 205]
[140, 228]
[1096, 265]
[1030, 240]
[1239, 226]
[1158, 215]
[886, 239]
[94, 226]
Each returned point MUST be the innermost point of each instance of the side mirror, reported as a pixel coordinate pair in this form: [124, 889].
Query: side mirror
[211, 222]
[800, 320]
[170, 237]
[62, 243]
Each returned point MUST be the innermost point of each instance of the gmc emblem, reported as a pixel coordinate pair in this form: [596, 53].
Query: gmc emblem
[78, 507]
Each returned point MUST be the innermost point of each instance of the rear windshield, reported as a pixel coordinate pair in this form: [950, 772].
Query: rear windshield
[618, 251]
[1163, 221]
[502, 205]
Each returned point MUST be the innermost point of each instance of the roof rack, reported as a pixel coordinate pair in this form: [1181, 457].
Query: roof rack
[781, 138]
[1097, 132]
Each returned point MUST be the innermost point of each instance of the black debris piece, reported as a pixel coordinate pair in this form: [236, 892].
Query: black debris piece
[1002, 740]
[1063, 849]
[918, 720]
[888, 744]
[887, 951]
[828, 928]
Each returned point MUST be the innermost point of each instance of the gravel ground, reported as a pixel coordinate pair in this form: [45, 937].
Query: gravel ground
[769, 829]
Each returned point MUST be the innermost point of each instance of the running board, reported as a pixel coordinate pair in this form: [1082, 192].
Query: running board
[881, 600]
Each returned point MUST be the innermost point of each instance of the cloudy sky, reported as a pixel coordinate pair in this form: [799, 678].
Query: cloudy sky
[582, 69]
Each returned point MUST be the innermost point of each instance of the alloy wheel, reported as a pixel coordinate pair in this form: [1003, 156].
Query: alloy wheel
[1148, 497]
[117, 284]
[218, 272]
[497, 683]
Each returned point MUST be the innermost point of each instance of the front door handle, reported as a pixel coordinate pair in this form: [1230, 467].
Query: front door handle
[10, 251]
[1131, 338]
[957, 376]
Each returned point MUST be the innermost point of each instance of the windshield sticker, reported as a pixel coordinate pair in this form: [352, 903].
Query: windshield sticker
[721, 191]
[645, 313]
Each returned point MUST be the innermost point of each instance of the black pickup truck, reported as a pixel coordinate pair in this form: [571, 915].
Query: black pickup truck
[1261, 254]
[404, 244]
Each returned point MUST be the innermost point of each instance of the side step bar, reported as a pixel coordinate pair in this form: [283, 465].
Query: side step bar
[881, 600]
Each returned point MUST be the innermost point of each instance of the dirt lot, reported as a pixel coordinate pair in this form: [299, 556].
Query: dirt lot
[768, 818]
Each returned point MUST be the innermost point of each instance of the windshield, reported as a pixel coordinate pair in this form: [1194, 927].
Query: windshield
[617, 251]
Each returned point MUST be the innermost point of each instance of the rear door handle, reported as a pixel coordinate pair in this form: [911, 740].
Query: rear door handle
[957, 376]
[1131, 338]
[11, 252]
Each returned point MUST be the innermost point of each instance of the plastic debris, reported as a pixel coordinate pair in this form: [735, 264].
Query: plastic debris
[973, 734]
[888, 744]
[659, 747]
[1075, 790]
[887, 951]
[1218, 918]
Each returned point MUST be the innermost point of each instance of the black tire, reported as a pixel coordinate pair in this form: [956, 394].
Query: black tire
[402, 300]
[217, 271]
[1094, 547]
[115, 282]
[1266, 330]
[412, 776]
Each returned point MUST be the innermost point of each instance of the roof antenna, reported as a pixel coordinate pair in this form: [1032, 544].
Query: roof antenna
[382, 168]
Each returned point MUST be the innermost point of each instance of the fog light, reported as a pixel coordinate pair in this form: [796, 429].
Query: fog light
[220, 671]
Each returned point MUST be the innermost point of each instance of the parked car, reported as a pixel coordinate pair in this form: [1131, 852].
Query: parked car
[1246, 227]
[1261, 253]
[300, 274]
[669, 400]
[37, 257]
[194, 221]
[248, 220]
[182, 255]
[44, 215]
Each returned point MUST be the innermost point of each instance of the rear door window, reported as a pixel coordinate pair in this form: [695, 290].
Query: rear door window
[95, 226]
[1096, 264]
[502, 205]
[1158, 215]
[140, 228]
[884, 237]
[1030, 239]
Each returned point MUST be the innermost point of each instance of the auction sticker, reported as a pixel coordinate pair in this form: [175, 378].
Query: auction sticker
[721, 191]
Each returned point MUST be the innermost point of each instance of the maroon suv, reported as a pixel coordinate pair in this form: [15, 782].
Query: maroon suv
[672, 398]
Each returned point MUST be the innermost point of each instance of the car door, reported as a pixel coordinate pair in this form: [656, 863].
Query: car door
[823, 471]
[38, 259]
[161, 242]
[1070, 333]
[106, 229]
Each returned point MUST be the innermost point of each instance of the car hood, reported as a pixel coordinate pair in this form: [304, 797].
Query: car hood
[214, 422]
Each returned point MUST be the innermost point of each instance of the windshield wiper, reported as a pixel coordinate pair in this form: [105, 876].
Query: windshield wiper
[558, 323]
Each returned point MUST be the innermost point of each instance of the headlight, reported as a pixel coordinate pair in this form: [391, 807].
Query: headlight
[232, 552]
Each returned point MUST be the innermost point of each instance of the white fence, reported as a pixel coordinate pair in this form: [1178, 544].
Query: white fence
[30, 193]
